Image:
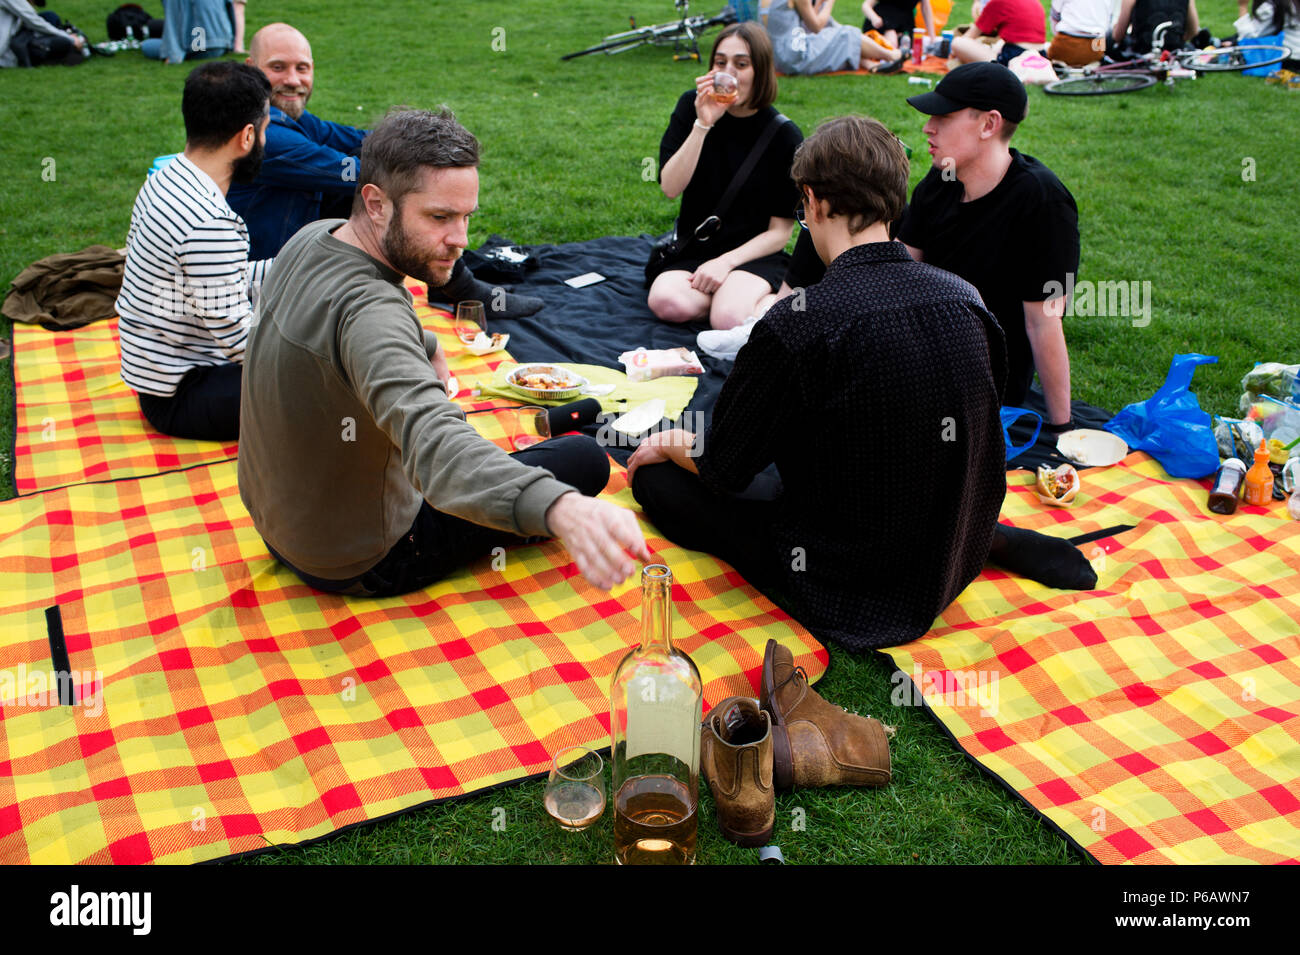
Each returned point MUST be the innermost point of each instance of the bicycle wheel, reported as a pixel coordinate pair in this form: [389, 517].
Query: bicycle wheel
[1099, 84]
[1230, 58]
[616, 44]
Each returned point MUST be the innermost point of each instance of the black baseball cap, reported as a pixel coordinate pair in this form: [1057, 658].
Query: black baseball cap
[982, 86]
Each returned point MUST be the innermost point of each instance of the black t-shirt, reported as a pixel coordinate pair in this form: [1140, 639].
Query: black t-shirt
[1149, 14]
[1011, 244]
[769, 190]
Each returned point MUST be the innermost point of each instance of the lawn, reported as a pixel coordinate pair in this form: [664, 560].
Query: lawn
[1188, 192]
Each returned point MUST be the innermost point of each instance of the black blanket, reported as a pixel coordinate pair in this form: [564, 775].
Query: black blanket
[594, 325]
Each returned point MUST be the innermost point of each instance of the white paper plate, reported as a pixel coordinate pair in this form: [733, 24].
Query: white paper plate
[453, 387]
[1092, 448]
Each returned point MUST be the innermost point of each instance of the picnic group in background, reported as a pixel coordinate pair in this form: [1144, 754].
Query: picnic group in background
[314, 224]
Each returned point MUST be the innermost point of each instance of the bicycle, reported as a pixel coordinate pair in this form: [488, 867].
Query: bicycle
[1164, 66]
[683, 34]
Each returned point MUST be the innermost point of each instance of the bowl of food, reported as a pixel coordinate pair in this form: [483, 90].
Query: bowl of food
[543, 382]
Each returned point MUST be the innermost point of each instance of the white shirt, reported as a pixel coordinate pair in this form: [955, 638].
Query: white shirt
[1082, 17]
[188, 287]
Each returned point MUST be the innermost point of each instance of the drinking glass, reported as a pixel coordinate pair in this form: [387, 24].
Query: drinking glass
[532, 426]
[575, 789]
[471, 318]
[725, 88]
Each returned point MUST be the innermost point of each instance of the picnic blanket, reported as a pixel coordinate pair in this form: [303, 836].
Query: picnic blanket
[215, 705]
[1156, 719]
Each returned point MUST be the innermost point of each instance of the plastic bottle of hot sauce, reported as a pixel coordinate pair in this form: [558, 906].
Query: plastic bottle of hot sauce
[1259, 479]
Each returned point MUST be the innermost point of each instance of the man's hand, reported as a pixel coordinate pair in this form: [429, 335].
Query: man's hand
[710, 275]
[663, 446]
[599, 537]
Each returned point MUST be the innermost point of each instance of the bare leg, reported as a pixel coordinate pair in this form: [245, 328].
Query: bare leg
[871, 50]
[672, 299]
[239, 26]
[973, 51]
[737, 298]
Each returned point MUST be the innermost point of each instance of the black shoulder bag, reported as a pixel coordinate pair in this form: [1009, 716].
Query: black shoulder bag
[670, 248]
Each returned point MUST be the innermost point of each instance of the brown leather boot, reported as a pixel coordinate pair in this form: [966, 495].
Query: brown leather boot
[736, 756]
[815, 743]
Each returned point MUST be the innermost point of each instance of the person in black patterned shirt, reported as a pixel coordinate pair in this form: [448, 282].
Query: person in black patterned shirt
[876, 396]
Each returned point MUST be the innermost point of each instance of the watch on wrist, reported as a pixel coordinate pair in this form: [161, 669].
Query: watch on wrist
[1059, 428]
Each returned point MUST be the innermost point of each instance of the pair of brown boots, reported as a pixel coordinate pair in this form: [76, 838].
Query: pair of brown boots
[788, 739]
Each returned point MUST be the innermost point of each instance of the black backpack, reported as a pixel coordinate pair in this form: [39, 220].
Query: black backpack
[128, 19]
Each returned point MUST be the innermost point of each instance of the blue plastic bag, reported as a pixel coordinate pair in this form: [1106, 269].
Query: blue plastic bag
[1257, 57]
[1009, 417]
[1170, 425]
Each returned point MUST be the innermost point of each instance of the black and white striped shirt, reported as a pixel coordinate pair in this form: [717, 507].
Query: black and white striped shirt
[188, 288]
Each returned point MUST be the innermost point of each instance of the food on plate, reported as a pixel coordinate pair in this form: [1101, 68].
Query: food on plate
[545, 378]
[1058, 486]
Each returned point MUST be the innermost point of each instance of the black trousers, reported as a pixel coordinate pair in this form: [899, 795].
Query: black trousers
[733, 527]
[205, 406]
[439, 544]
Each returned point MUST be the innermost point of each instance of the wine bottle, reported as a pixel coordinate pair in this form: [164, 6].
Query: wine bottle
[655, 703]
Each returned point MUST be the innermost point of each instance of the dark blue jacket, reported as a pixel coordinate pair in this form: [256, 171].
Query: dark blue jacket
[305, 158]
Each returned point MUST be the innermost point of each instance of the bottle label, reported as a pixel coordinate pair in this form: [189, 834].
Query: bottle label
[663, 716]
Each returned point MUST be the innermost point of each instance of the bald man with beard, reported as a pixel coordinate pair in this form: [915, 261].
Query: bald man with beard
[310, 168]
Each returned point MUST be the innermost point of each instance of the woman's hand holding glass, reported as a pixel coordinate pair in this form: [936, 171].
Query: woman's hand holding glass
[707, 109]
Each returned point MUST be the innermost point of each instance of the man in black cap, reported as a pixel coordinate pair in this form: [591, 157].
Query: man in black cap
[1002, 221]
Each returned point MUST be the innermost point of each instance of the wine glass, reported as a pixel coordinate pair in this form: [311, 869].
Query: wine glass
[532, 426]
[575, 789]
[725, 88]
[471, 319]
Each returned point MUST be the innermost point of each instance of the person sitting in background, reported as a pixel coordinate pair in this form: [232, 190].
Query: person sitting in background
[1138, 19]
[310, 169]
[733, 262]
[807, 40]
[1269, 18]
[19, 23]
[187, 287]
[192, 30]
[1079, 31]
[1019, 25]
[896, 19]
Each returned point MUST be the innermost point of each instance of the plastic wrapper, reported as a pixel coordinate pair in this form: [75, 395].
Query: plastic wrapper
[1269, 378]
[1277, 419]
[644, 364]
[1237, 438]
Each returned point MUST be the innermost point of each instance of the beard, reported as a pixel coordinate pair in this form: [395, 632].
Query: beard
[293, 108]
[412, 259]
[245, 168]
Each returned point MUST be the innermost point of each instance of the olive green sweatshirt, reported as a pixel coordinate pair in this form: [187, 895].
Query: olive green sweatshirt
[344, 426]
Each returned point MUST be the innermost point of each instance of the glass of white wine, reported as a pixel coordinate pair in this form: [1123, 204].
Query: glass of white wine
[471, 319]
[575, 789]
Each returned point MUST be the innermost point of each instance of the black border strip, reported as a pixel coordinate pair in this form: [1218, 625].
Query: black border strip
[1044, 819]
[117, 480]
[13, 435]
[1101, 534]
[59, 656]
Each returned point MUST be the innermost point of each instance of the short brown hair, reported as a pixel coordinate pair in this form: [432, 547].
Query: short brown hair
[409, 140]
[763, 91]
[858, 166]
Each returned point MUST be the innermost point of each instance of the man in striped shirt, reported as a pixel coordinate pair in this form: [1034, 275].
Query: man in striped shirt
[188, 288]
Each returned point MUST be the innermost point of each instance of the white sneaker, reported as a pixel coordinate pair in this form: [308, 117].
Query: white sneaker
[726, 343]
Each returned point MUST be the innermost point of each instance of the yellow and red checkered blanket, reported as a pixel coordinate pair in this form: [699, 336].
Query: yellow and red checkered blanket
[1157, 718]
[215, 705]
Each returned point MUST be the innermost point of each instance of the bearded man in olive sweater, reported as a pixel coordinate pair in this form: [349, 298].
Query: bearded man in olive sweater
[359, 473]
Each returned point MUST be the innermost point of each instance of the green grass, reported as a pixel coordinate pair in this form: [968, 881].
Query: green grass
[1157, 176]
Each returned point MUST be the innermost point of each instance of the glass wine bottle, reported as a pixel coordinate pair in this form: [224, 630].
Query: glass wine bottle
[655, 706]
